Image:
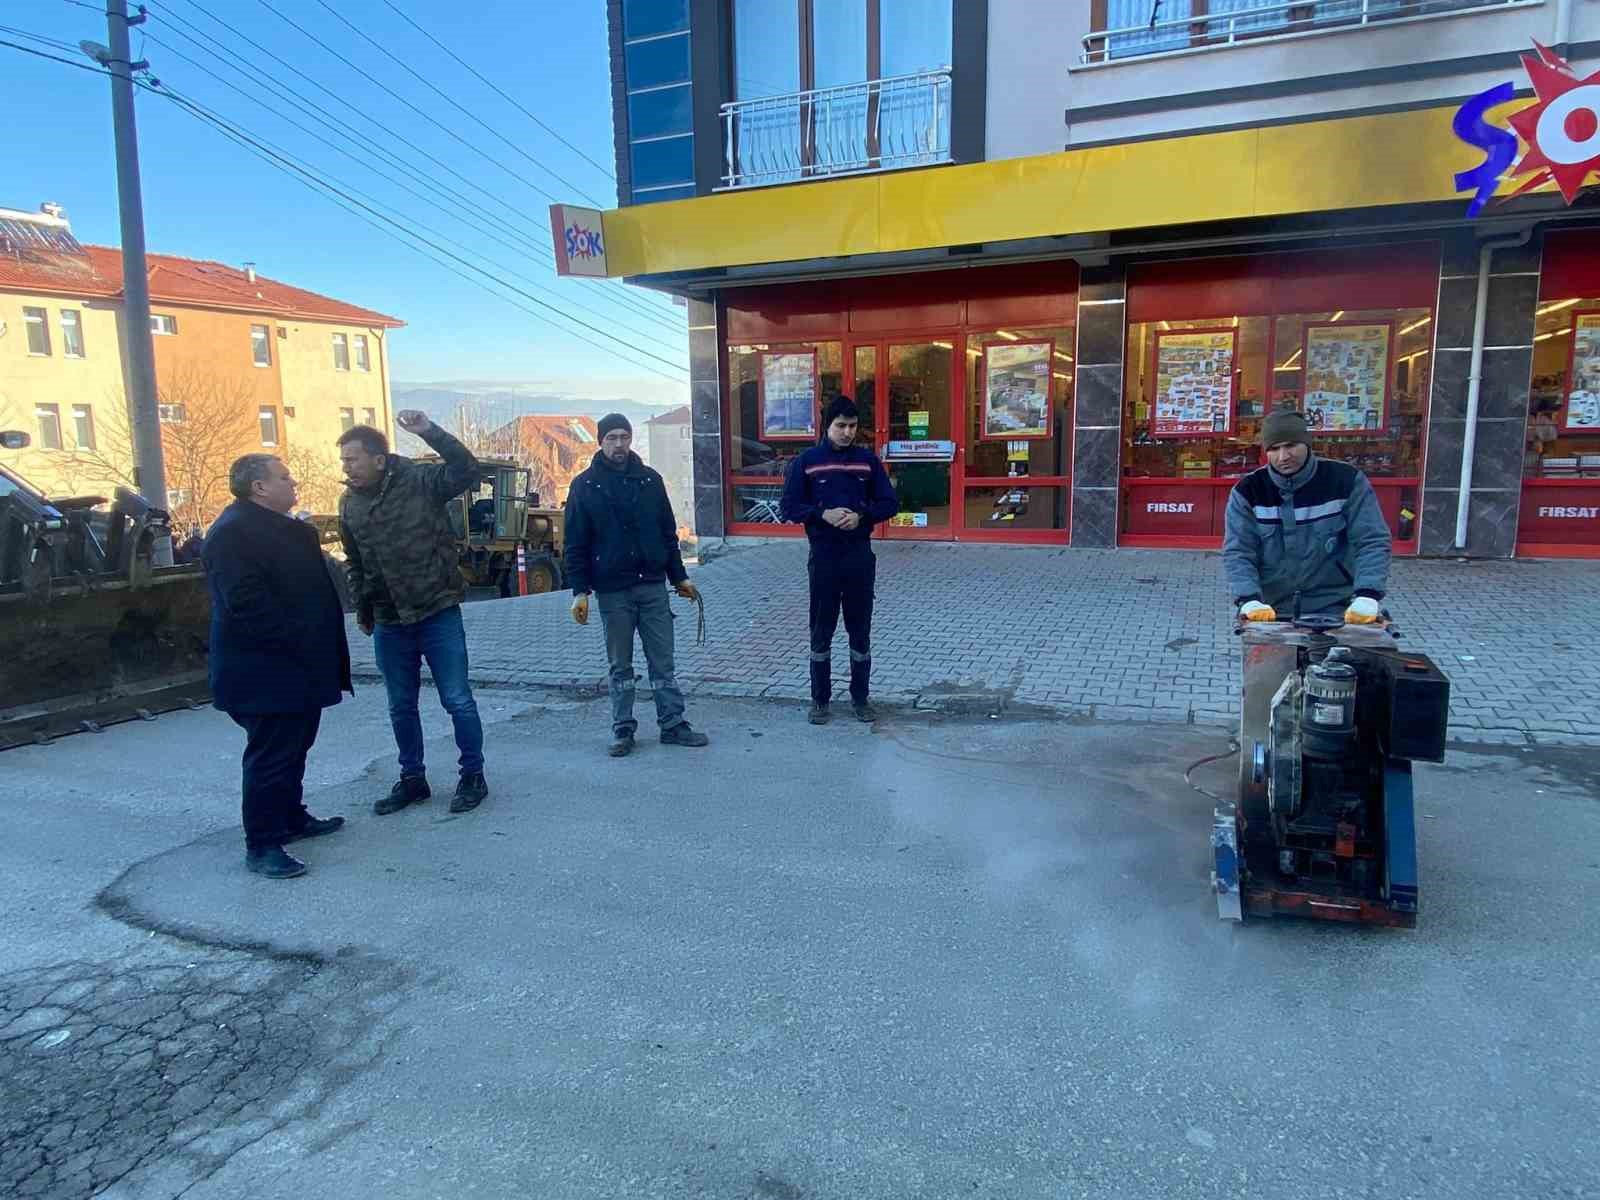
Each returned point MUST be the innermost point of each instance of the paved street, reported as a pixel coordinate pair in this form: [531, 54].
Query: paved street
[948, 956]
[1112, 635]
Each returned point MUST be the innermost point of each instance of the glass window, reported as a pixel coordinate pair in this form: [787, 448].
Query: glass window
[1135, 14]
[664, 162]
[369, 416]
[172, 414]
[663, 61]
[648, 18]
[83, 419]
[38, 322]
[269, 426]
[916, 36]
[1010, 508]
[163, 323]
[751, 453]
[766, 48]
[49, 419]
[71, 333]
[671, 193]
[1553, 452]
[261, 345]
[839, 42]
[341, 352]
[347, 419]
[988, 457]
[660, 113]
[363, 359]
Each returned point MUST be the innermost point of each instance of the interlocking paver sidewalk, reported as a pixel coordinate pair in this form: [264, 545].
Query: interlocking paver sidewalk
[1124, 635]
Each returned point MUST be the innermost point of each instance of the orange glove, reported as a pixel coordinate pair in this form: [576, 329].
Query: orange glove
[580, 609]
[1363, 610]
[1254, 610]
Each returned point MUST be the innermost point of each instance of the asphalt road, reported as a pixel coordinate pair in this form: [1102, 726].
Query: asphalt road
[936, 959]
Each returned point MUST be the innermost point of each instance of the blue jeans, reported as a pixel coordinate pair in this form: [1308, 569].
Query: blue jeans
[400, 649]
[644, 608]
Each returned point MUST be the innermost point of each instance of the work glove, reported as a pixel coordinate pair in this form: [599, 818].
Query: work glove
[687, 590]
[580, 609]
[1254, 610]
[1363, 610]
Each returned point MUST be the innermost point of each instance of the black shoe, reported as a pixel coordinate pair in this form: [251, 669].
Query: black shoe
[315, 827]
[818, 714]
[273, 862]
[864, 711]
[621, 746]
[412, 789]
[682, 734]
[469, 793]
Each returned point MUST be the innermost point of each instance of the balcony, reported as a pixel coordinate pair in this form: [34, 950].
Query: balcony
[1239, 22]
[876, 125]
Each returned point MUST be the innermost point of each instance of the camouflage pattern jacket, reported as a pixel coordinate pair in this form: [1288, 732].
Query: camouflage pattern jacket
[401, 554]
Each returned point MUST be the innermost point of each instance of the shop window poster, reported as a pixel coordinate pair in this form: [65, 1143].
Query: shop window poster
[1016, 390]
[1347, 377]
[789, 394]
[1581, 413]
[1194, 383]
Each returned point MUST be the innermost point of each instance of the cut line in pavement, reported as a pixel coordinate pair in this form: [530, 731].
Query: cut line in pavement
[1106, 635]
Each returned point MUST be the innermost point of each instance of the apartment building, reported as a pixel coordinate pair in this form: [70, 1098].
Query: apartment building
[243, 363]
[1065, 256]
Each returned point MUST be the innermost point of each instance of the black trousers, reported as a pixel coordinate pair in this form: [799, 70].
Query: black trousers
[275, 752]
[841, 580]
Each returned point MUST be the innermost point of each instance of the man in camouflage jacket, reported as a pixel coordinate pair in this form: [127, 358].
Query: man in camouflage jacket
[407, 585]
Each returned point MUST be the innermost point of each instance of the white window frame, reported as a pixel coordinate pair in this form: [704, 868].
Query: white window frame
[41, 411]
[363, 355]
[72, 329]
[164, 324]
[267, 415]
[37, 318]
[172, 414]
[261, 340]
[371, 417]
[341, 343]
[83, 417]
[347, 419]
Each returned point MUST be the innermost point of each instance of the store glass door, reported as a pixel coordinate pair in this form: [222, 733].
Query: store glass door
[919, 435]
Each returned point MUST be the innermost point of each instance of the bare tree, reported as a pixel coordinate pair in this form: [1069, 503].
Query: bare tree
[318, 476]
[208, 420]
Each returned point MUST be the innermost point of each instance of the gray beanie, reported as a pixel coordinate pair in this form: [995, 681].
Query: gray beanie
[613, 421]
[1284, 425]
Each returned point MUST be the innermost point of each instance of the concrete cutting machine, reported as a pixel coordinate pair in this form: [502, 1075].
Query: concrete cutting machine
[1324, 826]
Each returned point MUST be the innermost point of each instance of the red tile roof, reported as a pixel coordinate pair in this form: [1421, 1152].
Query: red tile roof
[173, 280]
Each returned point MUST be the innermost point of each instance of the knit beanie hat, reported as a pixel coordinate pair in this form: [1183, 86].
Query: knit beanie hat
[840, 406]
[1284, 425]
[613, 421]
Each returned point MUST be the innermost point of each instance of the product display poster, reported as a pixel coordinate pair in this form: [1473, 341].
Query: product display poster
[1347, 377]
[918, 422]
[1016, 391]
[1583, 386]
[789, 394]
[1194, 383]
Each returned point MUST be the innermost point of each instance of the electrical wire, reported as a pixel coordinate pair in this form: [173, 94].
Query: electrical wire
[397, 227]
[53, 43]
[449, 99]
[399, 12]
[54, 57]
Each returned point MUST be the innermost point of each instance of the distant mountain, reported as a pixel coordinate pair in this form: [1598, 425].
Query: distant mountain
[495, 403]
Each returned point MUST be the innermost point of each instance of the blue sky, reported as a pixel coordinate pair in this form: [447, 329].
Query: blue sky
[208, 198]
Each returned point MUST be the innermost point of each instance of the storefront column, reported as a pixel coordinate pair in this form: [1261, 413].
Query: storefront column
[705, 412]
[1097, 405]
[1502, 398]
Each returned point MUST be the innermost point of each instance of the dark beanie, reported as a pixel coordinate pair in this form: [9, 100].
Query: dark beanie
[840, 406]
[614, 421]
[1284, 425]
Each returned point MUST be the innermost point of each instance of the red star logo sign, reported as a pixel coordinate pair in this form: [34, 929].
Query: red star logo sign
[1561, 131]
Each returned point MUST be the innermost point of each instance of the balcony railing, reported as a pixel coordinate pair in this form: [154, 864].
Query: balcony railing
[878, 125]
[1244, 21]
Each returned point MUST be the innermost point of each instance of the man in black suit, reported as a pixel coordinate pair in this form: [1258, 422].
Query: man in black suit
[278, 653]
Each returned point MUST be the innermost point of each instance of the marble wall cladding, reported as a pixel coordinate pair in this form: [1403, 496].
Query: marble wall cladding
[703, 354]
[1102, 283]
[1100, 328]
[1094, 516]
[701, 312]
[1497, 453]
[1457, 300]
[1460, 256]
[1491, 523]
[1512, 299]
[1097, 457]
[1438, 527]
[1503, 392]
[707, 459]
[708, 514]
[1097, 395]
[705, 406]
[1445, 439]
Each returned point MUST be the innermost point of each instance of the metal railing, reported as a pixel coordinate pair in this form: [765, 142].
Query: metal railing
[1252, 22]
[876, 125]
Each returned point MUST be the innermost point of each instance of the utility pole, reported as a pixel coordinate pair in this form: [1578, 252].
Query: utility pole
[149, 465]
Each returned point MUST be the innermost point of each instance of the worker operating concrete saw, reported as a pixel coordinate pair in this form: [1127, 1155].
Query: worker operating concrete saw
[1305, 536]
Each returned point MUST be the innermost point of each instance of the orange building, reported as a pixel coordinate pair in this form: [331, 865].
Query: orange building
[556, 450]
[243, 363]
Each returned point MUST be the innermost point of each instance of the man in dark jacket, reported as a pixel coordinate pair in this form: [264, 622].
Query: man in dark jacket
[406, 583]
[1304, 530]
[839, 491]
[278, 653]
[622, 542]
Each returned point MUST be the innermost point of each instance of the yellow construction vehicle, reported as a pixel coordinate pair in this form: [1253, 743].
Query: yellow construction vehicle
[508, 542]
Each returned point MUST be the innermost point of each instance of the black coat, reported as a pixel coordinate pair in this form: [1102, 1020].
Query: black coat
[620, 530]
[277, 629]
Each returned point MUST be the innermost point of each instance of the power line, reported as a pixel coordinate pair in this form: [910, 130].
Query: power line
[54, 43]
[497, 90]
[315, 181]
[53, 57]
[653, 337]
[451, 100]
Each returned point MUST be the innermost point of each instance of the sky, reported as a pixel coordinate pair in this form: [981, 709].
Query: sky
[206, 197]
